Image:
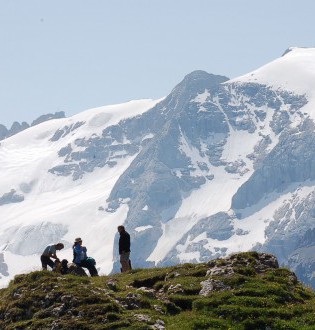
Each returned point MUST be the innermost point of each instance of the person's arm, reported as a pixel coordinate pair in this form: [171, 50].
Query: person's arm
[74, 254]
[128, 243]
[84, 249]
[53, 254]
[120, 244]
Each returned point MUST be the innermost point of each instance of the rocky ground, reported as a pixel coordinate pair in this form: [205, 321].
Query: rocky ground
[243, 291]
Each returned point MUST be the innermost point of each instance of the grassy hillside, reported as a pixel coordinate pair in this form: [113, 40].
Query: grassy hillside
[244, 291]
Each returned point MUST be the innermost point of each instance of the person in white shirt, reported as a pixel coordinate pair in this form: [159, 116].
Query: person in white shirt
[50, 252]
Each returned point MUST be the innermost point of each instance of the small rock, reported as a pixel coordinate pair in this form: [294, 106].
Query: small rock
[58, 311]
[112, 284]
[220, 270]
[16, 295]
[66, 299]
[158, 325]
[147, 292]
[80, 314]
[76, 270]
[142, 317]
[210, 285]
[171, 275]
[55, 326]
[132, 301]
[158, 308]
[173, 289]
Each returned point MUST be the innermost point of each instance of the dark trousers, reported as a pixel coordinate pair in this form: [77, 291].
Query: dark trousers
[125, 262]
[91, 268]
[46, 261]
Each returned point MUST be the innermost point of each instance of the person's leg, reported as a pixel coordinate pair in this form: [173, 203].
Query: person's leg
[93, 271]
[84, 264]
[46, 261]
[50, 263]
[124, 260]
[43, 260]
[91, 268]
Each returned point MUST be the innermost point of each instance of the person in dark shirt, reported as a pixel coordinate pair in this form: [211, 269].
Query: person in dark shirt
[124, 249]
[50, 252]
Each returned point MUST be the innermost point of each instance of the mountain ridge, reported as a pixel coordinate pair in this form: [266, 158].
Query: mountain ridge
[17, 127]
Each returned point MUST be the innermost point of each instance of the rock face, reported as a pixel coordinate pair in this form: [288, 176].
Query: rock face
[11, 197]
[19, 127]
[292, 160]
[47, 117]
[302, 261]
[3, 132]
[192, 118]
[292, 227]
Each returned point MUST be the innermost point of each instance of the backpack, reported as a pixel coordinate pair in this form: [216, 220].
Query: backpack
[91, 261]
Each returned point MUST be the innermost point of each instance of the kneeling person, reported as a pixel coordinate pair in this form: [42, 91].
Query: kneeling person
[50, 252]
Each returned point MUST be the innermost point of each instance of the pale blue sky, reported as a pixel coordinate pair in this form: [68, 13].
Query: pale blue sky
[71, 55]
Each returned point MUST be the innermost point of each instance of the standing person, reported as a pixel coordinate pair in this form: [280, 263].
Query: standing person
[81, 259]
[124, 249]
[50, 252]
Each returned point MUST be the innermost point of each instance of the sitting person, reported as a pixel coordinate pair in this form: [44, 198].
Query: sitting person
[81, 259]
[50, 252]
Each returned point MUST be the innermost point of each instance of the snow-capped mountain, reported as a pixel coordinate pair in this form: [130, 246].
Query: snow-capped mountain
[217, 166]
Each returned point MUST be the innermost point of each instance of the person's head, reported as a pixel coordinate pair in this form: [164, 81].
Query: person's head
[64, 263]
[59, 246]
[120, 229]
[78, 241]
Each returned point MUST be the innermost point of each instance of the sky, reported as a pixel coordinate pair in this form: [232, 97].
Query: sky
[74, 55]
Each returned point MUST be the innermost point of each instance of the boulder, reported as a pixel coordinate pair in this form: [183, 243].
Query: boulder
[76, 270]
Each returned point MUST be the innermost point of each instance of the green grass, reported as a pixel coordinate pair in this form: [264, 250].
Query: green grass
[272, 299]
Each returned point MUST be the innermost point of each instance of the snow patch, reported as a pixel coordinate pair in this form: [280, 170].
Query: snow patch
[143, 228]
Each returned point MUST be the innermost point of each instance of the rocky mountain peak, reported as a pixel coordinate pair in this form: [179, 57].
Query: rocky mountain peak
[197, 82]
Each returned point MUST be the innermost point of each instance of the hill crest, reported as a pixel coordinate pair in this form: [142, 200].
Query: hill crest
[244, 291]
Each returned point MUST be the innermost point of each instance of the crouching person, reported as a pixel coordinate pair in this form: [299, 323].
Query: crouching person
[81, 259]
[49, 254]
